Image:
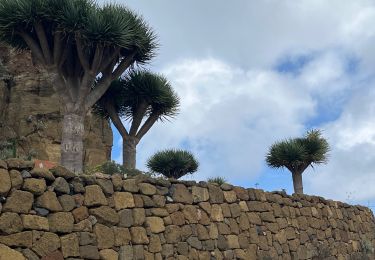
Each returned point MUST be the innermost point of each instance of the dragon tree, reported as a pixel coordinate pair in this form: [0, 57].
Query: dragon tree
[143, 98]
[297, 154]
[83, 47]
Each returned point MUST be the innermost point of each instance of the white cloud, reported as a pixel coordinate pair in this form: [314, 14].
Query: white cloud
[235, 105]
[351, 168]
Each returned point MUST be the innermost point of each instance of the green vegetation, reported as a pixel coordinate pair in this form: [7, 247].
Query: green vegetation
[139, 97]
[83, 46]
[8, 149]
[297, 154]
[111, 167]
[173, 163]
[218, 180]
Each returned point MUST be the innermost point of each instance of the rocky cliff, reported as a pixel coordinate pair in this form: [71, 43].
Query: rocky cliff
[30, 113]
[58, 215]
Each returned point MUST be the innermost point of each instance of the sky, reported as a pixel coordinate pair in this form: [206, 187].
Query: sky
[251, 73]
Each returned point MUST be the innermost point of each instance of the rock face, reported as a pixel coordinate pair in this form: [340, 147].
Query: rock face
[153, 219]
[29, 112]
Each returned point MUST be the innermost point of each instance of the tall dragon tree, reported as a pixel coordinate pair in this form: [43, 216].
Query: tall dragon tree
[297, 154]
[78, 43]
[142, 98]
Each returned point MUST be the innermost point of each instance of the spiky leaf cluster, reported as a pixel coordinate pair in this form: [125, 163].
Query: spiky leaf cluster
[141, 87]
[173, 163]
[109, 25]
[299, 153]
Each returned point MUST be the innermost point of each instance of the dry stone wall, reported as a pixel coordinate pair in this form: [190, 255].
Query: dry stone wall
[54, 214]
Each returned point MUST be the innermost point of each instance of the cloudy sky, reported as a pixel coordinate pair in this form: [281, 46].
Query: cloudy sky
[250, 73]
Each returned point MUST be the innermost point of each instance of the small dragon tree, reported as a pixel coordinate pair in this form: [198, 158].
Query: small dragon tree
[297, 154]
[173, 163]
[78, 43]
[140, 96]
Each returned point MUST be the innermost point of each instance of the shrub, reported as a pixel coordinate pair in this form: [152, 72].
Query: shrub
[111, 167]
[173, 163]
[218, 180]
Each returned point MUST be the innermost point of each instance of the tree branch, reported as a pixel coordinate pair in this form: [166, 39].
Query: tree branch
[40, 32]
[81, 55]
[97, 92]
[115, 118]
[57, 48]
[107, 62]
[124, 64]
[34, 47]
[147, 125]
[98, 56]
[137, 118]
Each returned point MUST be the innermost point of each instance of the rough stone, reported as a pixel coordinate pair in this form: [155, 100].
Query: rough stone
[67, 202]
[104, 236]
[230, 196]
[49, 201]
[35, 186]
[123, 200]
[84, 225]
[6, 253]
[126, 218]
[29, 254]
[56, 255]
[122, 236]
[105, 215]
[216, 194]
[172, 234]
[19, 202]
[181, 194]
[147, 189]
[46, 244]
[139, 216]
[155, 244]
[87, 238]
[3, 165]
[21, 239]
[16, 179]
[34, 222]
[80, 214]
[89, 252]
[42, 173]
[200, 194]
[106, 185]
[194, 242]
[61, 185]
[155, 224]
[139, 235]
[94, 196]
[216, 213]
[117, 182]
[130, 185]
[10, 223]
[126, 253]
[108, 254]
[191, 214]
[61, 222]
[61, 171]
[70, 245]
[178, 218]
[16, 163]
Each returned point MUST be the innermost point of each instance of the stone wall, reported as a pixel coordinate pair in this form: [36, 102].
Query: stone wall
[30, 113]
[57, 215]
